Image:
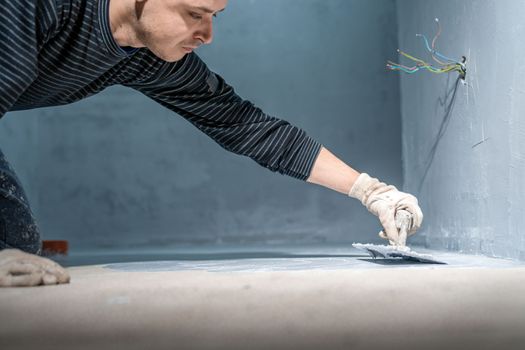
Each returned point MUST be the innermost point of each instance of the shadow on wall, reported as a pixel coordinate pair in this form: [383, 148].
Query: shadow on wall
[447, 104]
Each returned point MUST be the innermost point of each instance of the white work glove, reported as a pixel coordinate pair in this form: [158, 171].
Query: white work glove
[19, 269]
[384, 202]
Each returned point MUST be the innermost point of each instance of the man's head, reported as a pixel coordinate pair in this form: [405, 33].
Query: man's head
[168, 28]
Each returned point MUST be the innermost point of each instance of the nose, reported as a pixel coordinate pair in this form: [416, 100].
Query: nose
[205, 32]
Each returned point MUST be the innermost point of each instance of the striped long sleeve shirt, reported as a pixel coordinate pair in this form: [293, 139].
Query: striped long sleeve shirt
[54, 52]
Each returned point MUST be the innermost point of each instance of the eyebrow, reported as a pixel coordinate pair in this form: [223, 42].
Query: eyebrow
[207, 10]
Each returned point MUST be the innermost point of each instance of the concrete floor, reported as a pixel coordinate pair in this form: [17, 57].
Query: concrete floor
[280, 298]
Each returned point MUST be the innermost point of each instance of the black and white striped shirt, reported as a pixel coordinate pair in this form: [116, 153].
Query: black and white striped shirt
[54, 52]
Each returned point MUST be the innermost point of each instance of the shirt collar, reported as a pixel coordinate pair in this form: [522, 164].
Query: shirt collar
[107, 36]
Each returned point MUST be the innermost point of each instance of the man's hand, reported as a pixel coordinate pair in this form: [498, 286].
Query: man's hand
[382, 200]
[19, 269]
[385, 201]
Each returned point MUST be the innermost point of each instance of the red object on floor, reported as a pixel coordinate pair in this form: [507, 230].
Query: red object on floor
[54, 247]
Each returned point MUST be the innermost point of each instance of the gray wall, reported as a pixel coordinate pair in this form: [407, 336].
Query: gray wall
[117, 170]
[465, 158]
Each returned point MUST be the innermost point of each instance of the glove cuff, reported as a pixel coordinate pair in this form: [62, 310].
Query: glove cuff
[361, 186]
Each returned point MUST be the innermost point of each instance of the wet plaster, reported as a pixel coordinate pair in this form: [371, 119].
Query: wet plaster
[268, 258]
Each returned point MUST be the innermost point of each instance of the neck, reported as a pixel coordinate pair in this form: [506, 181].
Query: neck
[123, 21]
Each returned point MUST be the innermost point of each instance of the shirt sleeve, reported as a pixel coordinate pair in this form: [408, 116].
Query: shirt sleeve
[23, 25]
[202, 97]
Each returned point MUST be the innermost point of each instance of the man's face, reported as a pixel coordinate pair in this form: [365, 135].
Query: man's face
[174, 28]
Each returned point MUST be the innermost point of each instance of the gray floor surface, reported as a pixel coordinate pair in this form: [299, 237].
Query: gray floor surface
[266, 258]
[269, 298]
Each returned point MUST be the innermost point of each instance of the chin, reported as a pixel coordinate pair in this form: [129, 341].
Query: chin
[176, 58]
[170, 57]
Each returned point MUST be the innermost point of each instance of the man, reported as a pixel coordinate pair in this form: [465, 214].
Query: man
[55, 52]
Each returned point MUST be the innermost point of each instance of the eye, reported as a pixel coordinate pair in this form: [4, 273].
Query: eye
[195, 15]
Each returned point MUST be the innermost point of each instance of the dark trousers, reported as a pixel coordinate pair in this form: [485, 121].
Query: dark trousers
[17, 224]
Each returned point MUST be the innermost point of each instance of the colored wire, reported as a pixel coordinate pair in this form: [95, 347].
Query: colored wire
[423, 64]
[420, 64]
[434, 51]
[430, 68]
[445, 67]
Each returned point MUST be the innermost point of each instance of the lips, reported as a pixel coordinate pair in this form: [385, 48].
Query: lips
[190, 48]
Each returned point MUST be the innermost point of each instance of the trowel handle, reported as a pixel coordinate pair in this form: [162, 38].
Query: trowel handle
[403, 223]
[403, 218]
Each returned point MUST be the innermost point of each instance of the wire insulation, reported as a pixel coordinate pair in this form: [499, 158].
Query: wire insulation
[450, 65]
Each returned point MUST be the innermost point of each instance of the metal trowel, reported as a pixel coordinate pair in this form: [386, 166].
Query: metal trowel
[403, 223]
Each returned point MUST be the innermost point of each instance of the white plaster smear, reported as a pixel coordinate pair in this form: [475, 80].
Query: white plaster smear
[396, 252]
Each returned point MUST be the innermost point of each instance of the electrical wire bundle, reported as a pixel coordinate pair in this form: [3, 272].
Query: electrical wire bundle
[446, 64]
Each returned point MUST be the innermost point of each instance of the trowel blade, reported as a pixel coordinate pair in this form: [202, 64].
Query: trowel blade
[406, 253]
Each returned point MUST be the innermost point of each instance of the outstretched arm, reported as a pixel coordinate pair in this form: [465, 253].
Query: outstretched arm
[331, 172]
[190, 89]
